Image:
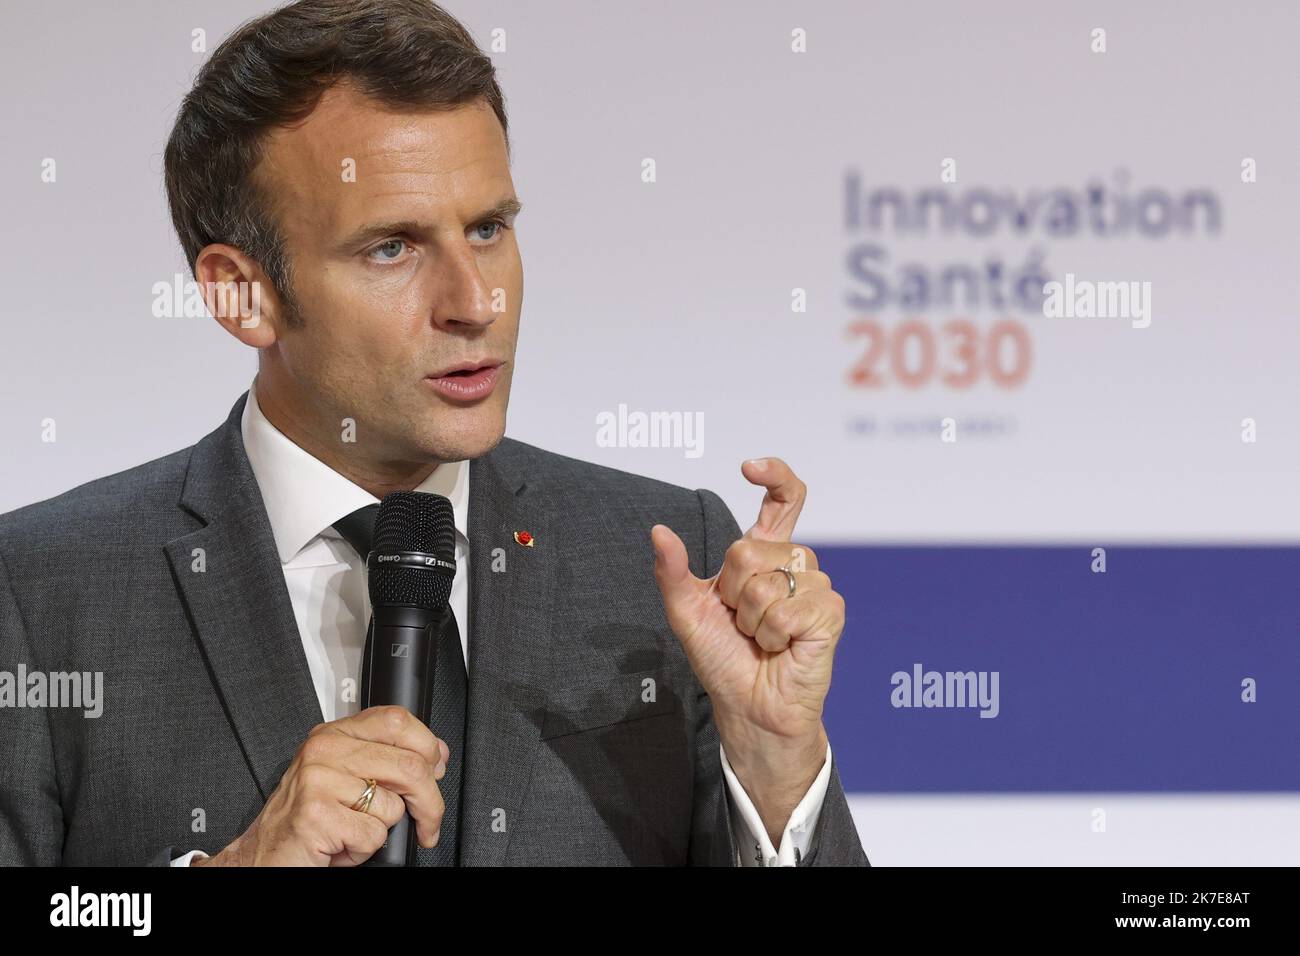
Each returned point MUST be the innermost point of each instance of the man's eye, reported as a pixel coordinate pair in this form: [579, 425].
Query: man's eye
[388, 251]
[494, 224]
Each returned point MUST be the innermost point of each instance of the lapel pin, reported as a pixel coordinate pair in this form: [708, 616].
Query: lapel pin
[524, 538]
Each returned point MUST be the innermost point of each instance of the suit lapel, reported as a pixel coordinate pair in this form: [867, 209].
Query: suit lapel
[240, 607]
[241, 611]
[511, 599]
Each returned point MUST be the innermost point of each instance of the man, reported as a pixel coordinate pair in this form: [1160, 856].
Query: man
[624, 678]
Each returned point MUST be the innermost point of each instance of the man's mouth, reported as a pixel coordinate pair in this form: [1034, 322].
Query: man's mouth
[467, 381]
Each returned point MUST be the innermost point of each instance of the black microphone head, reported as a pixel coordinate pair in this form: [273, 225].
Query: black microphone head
[413, 556]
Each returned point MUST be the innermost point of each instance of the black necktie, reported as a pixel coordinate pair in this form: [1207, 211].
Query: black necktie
[447, 721]
[447, 703]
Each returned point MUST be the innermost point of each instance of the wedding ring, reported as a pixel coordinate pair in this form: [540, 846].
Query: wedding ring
[362, 804]
[789, 576]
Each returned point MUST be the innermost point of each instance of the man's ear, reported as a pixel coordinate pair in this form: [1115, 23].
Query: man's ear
[239, 295]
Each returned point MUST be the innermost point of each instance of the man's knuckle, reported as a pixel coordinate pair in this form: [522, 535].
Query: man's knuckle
[313, 814]
[312, 776]
[315, 749]
[395, 718]
[437, 806]
[777, 617]
[411, 768]
[373, 832]
[838, 604]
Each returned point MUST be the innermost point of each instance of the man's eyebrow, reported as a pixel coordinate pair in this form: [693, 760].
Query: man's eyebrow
[505, 209]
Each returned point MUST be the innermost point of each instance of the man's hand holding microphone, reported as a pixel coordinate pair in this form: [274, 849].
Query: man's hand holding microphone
[313, 818]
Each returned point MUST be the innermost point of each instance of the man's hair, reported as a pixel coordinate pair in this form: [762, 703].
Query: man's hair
[272, 72]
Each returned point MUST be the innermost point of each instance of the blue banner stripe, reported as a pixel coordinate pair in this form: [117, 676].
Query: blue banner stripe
[1128, 680]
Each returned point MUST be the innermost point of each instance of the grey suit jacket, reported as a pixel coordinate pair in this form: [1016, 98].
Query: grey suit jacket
[207, 693]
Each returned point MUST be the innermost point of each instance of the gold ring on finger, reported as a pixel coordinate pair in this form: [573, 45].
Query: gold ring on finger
[362, 804]
[789, 576]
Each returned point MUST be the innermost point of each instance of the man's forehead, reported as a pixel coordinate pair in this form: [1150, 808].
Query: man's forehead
[352, 152]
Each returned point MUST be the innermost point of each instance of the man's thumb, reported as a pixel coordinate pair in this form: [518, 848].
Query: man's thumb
[673, 573]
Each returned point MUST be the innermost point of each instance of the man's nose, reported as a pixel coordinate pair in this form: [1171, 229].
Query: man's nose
[464, 296]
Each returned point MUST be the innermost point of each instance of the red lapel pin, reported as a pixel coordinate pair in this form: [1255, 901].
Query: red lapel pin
[524, 538]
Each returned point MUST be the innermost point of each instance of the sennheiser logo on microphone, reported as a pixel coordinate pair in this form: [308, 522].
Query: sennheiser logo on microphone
[419, 560]
[401, 650]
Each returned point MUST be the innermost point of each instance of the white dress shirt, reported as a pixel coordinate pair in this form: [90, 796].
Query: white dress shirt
[326, 580]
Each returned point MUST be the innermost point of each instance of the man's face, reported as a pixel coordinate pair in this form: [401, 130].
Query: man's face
[400, 275]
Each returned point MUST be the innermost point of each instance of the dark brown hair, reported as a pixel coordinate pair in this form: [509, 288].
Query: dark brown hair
[271, 72]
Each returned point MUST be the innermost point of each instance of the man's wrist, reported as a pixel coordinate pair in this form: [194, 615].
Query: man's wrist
[228, 856]
[775, 771]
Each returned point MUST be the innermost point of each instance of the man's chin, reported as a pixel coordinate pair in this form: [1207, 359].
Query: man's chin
[446, 445]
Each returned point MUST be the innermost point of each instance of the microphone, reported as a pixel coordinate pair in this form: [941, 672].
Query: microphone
[411, 566]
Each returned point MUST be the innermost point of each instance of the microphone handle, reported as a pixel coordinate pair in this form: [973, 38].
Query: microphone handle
[398, 668]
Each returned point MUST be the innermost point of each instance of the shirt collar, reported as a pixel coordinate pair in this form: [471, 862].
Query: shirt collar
[304, 496]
